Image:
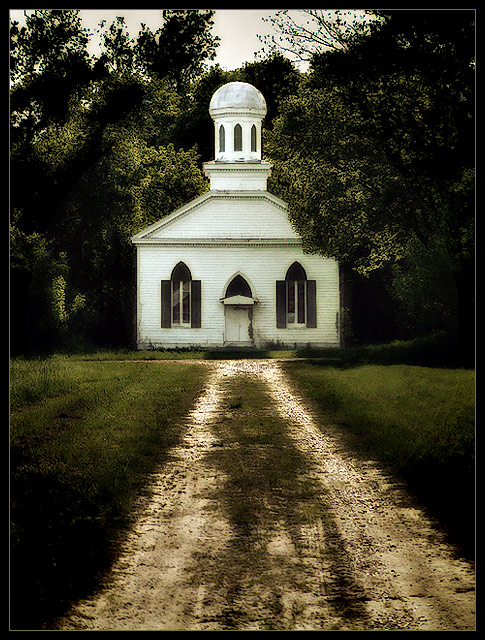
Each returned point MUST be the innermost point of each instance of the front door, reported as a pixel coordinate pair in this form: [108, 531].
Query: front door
[237, 324]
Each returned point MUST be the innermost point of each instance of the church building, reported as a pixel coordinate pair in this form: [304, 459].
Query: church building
[227, 269]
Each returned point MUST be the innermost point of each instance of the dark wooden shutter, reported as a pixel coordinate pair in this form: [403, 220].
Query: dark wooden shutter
[311, 297]
[281, 304]
[166, 304]
[195, 314]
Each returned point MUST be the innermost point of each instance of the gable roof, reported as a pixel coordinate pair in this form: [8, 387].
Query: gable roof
[218, 216]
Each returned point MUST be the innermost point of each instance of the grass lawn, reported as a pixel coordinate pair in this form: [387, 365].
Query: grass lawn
[83, 437]
[419, 421]
[434, 351]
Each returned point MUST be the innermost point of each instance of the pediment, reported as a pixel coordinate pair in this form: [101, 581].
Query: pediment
[223, 215]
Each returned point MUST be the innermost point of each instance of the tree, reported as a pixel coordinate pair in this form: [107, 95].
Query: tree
[49, 64]
[118, 49]
[132, 187]
[179, 49]
[344, 198]
[423, 284]
[98, 166]
[413, 80]
[303, 33]
[50, 70]
[196, 126]
[276, 77]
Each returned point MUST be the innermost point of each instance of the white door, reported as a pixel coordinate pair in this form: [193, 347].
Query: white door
[237, 324]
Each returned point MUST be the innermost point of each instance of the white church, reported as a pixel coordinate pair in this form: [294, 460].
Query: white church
[227, 269]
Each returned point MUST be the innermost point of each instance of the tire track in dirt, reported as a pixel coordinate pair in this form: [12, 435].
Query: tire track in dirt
[209, 552]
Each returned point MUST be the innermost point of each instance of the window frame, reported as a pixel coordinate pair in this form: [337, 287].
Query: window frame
[184, 304]
[238, 286]
[238, 137]
[181, 296]
[286, 290]
[222, 139]
[254, 139]
[296, 298]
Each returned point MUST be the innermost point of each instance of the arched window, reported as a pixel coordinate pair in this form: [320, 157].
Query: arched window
[181, 280]
[296, 272]
[238, 138]
[253, 138]
[181, 272]
[296, 294]
[238, 287]
[222, 138]
[180, 299]
[296, 300]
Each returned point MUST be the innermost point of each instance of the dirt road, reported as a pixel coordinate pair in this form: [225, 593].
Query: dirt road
[339, 546]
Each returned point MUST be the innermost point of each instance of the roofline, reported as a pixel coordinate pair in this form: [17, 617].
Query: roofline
[221, 242]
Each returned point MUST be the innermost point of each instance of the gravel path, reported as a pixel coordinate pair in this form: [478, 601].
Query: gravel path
[372, 562]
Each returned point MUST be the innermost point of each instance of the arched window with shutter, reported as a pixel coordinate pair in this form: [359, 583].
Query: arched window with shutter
[238, 138]
[181, 299]
[296, 299]
[181, 279]
[296, 294]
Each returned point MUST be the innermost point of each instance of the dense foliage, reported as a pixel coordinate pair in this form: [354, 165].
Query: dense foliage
[376, 159]
[96, 142]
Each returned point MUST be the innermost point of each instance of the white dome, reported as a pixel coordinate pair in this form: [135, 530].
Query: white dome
[238, 97]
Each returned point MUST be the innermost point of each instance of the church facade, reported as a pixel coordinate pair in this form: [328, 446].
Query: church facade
[227, 269]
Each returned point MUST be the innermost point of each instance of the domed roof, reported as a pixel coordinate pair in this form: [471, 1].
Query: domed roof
[238, 96]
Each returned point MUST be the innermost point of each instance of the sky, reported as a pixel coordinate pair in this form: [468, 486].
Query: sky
[237, 29]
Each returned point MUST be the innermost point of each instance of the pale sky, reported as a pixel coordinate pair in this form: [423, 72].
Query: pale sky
[237, 29]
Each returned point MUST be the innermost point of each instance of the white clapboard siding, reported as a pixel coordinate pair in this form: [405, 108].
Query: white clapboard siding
[220, 214]
[228, 176]
[215, 266]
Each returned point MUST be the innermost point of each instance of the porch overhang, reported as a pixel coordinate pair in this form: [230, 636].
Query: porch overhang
[239, 300]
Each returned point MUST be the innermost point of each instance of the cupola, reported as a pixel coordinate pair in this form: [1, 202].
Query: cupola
[237, 109]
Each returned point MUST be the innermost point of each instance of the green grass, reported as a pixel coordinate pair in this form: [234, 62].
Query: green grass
[84, 435]
[187, 354]
[34, 380]
[434, 351]
[419, 421]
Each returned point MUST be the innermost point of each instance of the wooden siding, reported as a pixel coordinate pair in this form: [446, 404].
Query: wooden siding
[214, 267]
[247, 177]
[231, 217]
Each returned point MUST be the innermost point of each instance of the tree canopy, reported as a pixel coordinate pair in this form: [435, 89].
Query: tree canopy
[376, 154]
[96, 139]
